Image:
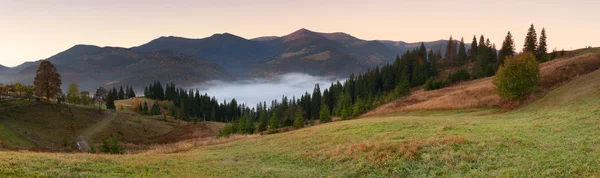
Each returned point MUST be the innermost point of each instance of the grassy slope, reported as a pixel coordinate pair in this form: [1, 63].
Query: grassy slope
[554, 136]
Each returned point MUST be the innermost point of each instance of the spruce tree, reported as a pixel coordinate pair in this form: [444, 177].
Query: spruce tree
[110, 100]
[325, 114]
[145, 108]
[541, 50]
[530, 41]
[262, 121]
[474, 51]
[298, 120]
[273, 123]
[450, 50]
[508, 48]
[121, 93]
[462, 53]
[316, 102]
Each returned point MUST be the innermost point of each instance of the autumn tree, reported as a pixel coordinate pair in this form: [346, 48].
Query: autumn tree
[530, 41]
[47, 81]
[518, 76]
[73, 93]
[19, 88]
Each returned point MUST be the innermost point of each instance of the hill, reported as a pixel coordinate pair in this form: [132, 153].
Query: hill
[555, 135]
[93, 66]
[37, 126]
[481, 93]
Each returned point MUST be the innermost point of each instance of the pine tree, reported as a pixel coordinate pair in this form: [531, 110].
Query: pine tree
[462, 53]
[508, 48]
[530, 41]
[474, 51]
[110, 100]
[262, 121]
[450, 50]
[145, 108]
[273, 123]
[121, 93]
[542, 54]
[325, 114]
[298, 120]
[316, 102]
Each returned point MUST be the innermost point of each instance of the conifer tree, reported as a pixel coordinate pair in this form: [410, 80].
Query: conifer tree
[262, 121]
[273, 123]
[145, 108]
[315, 102]
[462, 53]
[530, 41]
[325, 114]
[474, 48]
[110, 100]
[121, 93]
[508, 48]
[541, 51]
[450, 50]
[298, 120]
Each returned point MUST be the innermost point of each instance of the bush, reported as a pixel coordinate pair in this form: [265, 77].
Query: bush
[458, 76]
[434, 84]
[111, 145]
[518, 76]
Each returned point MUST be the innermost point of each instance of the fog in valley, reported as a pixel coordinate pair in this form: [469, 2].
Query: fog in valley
[253, 91]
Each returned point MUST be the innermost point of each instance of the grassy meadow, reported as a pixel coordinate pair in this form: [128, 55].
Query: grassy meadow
[557, 135]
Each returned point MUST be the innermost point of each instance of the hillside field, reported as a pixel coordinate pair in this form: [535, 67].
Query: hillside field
[555, 135]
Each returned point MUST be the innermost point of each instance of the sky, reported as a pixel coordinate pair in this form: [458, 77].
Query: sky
[37, 29]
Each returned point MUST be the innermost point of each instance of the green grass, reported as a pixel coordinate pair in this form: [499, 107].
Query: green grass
[12, 140]
[555, 136]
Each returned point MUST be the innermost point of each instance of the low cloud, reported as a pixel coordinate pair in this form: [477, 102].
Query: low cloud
[258, 90]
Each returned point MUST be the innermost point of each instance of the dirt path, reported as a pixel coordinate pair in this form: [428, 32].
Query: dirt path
[89, 132]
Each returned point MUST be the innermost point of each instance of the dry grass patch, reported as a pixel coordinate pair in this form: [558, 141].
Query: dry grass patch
[193, 143]
[379, 153]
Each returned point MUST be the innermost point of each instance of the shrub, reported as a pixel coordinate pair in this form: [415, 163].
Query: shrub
[518, 76]
[458, 76]
[434, 84]
[111, 145]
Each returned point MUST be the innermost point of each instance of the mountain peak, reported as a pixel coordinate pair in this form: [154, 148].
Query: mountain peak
[298, 34]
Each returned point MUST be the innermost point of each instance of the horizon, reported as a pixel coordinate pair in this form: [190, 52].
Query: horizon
[39, 29]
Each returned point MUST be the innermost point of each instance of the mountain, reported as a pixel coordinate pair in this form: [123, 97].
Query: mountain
[3, 69]
[237, 54]
[401, 46]
[93, 66]
[264, 38]
[223, 56]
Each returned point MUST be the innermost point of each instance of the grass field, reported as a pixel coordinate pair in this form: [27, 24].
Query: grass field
[555, 136]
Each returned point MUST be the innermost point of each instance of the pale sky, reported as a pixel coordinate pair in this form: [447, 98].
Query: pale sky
[37, 29]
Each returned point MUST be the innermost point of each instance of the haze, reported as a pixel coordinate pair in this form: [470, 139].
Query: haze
[36, 29]
[251, 92]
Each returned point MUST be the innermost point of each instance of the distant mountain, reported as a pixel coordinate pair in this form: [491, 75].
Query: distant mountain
[401, 46]
[93, 66]
[235, 53]
[222, 56]
[264, 38]
[3, 69]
